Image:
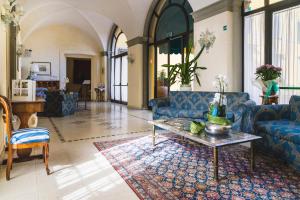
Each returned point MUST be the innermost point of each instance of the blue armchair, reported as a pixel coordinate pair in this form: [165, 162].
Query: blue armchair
[59, 104]
[194, 105]
[279, 125]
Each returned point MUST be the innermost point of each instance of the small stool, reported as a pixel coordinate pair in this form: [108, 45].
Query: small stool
[273, 99]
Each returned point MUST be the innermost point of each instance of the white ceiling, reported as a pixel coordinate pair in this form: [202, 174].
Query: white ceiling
[95, 17]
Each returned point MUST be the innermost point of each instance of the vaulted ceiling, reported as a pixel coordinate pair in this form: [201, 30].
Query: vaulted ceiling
[95, 17]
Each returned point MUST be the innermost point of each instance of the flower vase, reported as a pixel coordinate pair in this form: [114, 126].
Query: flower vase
[272, 87]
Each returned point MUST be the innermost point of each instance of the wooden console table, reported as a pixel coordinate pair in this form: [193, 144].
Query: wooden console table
[24, 110]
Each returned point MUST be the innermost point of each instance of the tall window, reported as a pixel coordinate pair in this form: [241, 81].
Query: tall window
[169, 32]
[272, 36]
[119, 68]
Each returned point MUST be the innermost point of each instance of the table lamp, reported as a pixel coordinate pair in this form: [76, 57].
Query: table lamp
[34, 70]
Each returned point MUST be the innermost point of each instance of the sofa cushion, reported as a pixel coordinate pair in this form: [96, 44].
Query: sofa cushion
[295, 108]
[194, 114]
[168, 111]
[201, 100]
[283, 129]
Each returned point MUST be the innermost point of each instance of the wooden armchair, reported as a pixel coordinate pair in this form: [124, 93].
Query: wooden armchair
[23, 138]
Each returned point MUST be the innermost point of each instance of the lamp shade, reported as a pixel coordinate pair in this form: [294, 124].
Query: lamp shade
[35, 68]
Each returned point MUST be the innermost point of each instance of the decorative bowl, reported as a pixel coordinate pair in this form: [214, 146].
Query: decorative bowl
[217, 130]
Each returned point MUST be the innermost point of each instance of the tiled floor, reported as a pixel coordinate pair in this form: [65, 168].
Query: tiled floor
[79, 171]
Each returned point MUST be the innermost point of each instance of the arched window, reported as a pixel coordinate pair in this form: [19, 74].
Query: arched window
[119, 68]
[169, 32]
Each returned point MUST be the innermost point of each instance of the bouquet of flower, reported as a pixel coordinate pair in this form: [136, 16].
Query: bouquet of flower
[217, 108]
[268, 76]
[268, 72]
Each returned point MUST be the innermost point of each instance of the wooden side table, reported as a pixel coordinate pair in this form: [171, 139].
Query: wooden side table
[24, 110]
[273, 99]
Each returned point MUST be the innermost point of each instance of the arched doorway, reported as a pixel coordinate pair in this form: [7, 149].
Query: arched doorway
[119, 67]
[169, 33]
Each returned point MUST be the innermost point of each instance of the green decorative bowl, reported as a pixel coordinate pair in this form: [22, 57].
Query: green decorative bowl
[218, 120]
[197, 127]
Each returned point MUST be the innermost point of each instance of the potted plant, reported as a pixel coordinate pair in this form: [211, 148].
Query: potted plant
[162, 84]
[188, 70]
[268, 77]
[217, 108]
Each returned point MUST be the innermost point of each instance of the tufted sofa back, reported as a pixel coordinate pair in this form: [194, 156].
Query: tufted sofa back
[201, 100]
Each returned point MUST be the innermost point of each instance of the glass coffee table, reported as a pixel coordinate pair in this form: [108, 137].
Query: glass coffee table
[181, 127]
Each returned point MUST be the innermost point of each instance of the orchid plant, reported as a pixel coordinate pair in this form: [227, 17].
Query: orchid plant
[217, 107]
[221, 84]
[11, 12]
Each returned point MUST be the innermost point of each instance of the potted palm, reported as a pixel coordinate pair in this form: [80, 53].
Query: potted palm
[188, 70]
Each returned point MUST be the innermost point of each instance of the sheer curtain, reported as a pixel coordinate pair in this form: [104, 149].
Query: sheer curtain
[254, 52]
[286, 49]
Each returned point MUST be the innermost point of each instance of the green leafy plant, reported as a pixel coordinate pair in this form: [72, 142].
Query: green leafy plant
[188, 70]
[163, 78]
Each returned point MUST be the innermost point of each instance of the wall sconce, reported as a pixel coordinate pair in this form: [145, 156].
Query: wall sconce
[22, 52]
[11, 12]
[130, 59]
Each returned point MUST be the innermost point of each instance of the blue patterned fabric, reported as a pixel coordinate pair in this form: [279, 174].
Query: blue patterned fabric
[30, 135]
[41, 92]
[59, 104]
[295, 108]
[194, 105]
[280, 130]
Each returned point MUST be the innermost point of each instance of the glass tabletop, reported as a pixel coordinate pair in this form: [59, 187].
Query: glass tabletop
[181, 127]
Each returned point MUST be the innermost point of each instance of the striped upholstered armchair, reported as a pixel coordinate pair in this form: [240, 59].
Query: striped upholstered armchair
[23, 138]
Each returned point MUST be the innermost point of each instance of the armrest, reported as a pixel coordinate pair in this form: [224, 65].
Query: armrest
[242, 116]
[159, 102]
[270, 112]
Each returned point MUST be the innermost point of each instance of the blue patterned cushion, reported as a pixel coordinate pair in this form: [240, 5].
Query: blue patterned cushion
[30, 135]
[201, 100]
[168, 111]
[194, 114]
[295, 108]
[282, 129]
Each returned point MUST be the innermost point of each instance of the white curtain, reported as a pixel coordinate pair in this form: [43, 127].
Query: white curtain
[286, 49]
[254, 52]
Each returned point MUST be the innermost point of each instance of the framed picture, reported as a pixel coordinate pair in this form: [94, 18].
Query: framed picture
[44, 68]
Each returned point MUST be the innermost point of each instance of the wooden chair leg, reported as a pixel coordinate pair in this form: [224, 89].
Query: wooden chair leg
[9, 162]
[46, 156]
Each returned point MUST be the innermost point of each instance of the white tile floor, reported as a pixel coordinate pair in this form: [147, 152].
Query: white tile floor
[79, 171]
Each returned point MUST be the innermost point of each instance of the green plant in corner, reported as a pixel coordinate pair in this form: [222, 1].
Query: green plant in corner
[188, 70]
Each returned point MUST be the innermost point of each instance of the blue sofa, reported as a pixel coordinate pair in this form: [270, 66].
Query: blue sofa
[194, 105]
[279, 125]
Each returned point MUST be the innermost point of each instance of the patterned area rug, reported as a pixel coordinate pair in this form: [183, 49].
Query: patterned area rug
[181, 169]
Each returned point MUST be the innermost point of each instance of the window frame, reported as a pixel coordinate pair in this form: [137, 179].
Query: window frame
[114, 55]
[269, 9]
[151, 35]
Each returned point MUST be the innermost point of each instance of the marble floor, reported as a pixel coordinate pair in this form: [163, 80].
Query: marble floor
[79, 171]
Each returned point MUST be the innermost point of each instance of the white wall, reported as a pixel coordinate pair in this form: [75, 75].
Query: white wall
[221, 58]
[135, 77]
[55, 43]
[199, 4]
